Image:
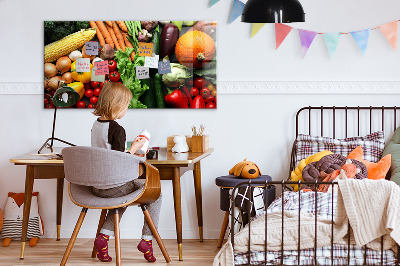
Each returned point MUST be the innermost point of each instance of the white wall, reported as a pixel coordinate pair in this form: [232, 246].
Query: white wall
[259, 127]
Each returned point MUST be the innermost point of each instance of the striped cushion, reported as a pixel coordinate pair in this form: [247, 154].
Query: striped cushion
[13, 228]
[372, 145]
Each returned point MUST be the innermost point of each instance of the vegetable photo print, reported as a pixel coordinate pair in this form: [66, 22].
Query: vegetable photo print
[165, 64]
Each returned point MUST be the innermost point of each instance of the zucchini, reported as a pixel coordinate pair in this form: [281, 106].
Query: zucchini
[156, 42]
[148, 98]
[158, 91]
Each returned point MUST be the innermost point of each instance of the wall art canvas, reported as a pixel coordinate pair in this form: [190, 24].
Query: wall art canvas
[165, 64]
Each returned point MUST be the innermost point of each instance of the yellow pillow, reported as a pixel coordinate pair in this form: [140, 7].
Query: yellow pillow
[296, 174]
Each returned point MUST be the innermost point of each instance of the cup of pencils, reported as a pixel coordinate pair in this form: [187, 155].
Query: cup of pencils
[199, 140]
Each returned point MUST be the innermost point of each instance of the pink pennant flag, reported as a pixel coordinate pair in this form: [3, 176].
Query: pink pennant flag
[281, 31]
[306, 39]
[389, 30]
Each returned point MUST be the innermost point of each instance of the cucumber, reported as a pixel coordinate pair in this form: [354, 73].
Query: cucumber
[158, 91]
[148, 97]
[156, 42]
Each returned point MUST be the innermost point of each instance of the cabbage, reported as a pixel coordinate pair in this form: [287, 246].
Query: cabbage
[177, 76]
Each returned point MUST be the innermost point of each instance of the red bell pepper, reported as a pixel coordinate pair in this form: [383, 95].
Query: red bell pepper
[198, 102]
[176, 99]
[187, 93]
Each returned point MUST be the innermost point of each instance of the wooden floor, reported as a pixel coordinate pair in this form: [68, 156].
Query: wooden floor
[50, 252]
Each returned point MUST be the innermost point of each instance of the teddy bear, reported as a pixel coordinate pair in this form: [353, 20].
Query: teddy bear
[245, 169]
[13, 215]
[180, 144]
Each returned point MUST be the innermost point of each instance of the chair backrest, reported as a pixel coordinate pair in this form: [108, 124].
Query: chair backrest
[92, 166]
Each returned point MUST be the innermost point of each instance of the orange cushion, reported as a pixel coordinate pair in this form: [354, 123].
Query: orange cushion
[375, 170]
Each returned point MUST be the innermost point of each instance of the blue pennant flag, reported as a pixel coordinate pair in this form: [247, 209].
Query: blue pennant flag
[361, 38]
[213, 2]
[332, 41]
[237, 8]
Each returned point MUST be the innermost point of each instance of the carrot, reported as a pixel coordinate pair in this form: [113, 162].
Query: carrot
[99, 36]
[119, 36]
[122, 25]
[109, 23]
[104, 32]
[128, 44]
[110, 30]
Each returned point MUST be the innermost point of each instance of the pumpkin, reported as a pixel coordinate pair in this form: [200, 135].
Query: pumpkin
[195, 49]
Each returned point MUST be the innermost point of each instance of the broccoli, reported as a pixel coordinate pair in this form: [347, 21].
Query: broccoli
[56, 30]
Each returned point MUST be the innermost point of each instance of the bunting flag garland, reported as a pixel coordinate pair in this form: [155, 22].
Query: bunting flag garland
[361, 37]
[255, 28]
[237, 8]
[389, 30]
[213, 2]
[306, 39]
[281, 31]
[332, 41]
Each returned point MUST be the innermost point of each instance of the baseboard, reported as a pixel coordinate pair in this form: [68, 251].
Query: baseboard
[258, 87]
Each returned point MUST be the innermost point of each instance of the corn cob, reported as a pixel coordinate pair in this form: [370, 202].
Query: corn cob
[66, 45]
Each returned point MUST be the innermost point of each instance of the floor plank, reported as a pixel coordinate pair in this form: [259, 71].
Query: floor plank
[49, 252]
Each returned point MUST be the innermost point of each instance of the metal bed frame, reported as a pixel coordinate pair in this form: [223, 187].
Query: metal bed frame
[284, 184]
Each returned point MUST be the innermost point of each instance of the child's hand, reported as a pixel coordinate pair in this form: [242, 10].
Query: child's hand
[142, 155]
[137, 144]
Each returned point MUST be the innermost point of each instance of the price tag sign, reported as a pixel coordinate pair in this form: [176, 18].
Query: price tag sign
[142, 72]
[145, 49]
[94, 77]
[91, 48]
[82, 65]
[151, 62]
[101, 68]
[164, 67]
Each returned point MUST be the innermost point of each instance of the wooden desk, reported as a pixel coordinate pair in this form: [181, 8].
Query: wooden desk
[171, 167]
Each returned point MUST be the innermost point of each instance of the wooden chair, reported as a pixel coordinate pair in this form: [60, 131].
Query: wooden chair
[85, 167]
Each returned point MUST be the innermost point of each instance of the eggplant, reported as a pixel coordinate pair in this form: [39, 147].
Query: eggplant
[168, 39]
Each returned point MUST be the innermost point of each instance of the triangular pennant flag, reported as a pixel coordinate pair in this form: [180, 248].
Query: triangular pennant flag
[213, 2]
[255, 28]
[332, 41]
[389, 30]
[306, 39]
[237, 8]
[361, 37]
[281, 31]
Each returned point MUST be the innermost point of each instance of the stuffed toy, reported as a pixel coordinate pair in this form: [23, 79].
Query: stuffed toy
[296, 174]
[245, 169]
[393, 147]
[348, 170]
[1, 220]
[375, 170]
[13, 215]
[180, 144]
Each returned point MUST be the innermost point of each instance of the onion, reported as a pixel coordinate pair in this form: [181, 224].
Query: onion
[75, 55]
[63, 64]
[50, 70]
[46, 83]
[67, 77]
[53, 83]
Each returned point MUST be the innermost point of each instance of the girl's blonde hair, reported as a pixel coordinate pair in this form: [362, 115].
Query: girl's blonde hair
[112, 99]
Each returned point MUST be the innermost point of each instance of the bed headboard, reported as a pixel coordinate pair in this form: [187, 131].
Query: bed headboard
[344, 121]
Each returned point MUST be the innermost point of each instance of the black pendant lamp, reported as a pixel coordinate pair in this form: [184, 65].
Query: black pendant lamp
[273, 11]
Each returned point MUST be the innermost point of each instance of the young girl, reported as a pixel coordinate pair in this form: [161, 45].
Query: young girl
[107, 133]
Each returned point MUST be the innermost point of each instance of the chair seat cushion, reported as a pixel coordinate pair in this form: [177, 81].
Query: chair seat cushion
[83, 195]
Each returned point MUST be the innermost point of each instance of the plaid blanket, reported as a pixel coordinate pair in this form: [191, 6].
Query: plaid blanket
[323, 205]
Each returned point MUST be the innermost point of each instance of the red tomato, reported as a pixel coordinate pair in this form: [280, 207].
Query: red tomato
[189, 82]
[209, 99]
[101, 85]
[90, 106]
[96, 92]
[95, 84]
[86, 85]
[89, 93]
[194, 92]
[80, 104]
[46, 101]
[211, 105]
[205, 92]
[199, 83]
[112, 65]
[93, 100]
[114, 76]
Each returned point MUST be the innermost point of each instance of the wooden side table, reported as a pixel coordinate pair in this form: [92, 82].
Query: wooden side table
[226, 183]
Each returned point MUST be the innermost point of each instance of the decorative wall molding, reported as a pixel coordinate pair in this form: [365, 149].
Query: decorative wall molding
[260, 87]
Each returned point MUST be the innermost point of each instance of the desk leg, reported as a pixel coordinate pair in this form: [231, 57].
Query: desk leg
[197, 189]
[176, 182]
[27, 206]
[60, 190]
